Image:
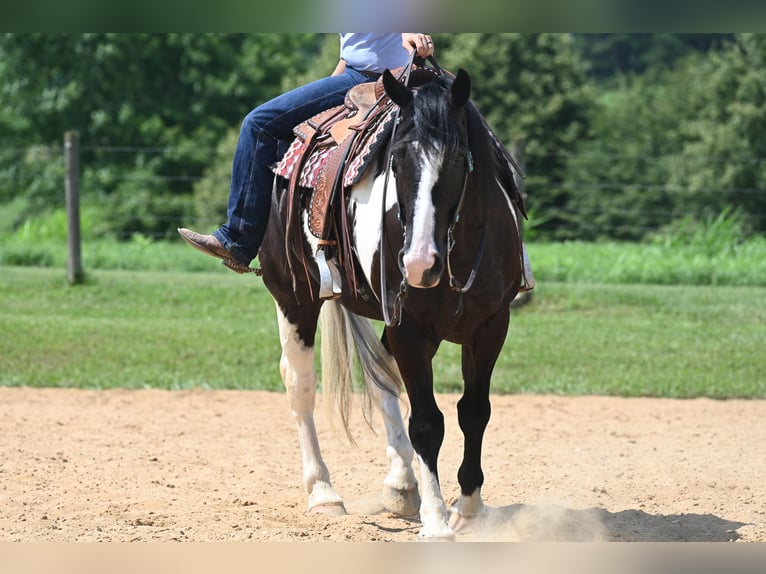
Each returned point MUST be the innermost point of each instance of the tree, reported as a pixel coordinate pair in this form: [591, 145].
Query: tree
[531, 87]
[724, 148]
[612, 55]
[621, 175]
[149, 107]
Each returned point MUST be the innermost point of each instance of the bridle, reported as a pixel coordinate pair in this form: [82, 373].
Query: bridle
[392, 311]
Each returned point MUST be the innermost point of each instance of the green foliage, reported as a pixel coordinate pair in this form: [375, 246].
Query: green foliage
[114, 88]
[149, 108]
[618, 177]
[621, 135]
[720, 235]
[663, 261]
[613, 55]
[683, 142]
[716, 253]
[35, 172]
[726, 136]
[322, 65]
[531, 88]
[211, 192]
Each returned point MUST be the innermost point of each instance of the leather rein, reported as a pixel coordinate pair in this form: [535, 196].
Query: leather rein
[392, 312]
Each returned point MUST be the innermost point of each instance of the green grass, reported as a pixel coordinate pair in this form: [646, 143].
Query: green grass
[218, 330]
[650, 263]
[635, 340]
[661, 263]
[136, 329]
[138, 254]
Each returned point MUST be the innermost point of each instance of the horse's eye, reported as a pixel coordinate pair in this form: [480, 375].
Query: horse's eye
[393, 165]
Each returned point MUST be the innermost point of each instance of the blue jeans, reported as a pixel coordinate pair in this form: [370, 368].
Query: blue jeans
[258, 147]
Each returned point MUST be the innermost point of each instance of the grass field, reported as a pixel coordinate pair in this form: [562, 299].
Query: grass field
[176, 330]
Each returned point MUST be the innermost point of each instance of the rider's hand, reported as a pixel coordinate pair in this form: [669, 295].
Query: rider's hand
[421, 43]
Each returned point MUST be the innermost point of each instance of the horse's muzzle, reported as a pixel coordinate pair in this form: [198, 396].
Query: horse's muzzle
[421, 268]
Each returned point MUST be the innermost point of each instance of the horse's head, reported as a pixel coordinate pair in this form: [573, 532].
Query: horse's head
[430, 165]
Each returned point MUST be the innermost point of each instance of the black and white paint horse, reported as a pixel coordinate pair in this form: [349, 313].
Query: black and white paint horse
[451, 254]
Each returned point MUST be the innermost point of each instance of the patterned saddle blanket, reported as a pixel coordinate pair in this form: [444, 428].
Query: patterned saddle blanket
[356, 166]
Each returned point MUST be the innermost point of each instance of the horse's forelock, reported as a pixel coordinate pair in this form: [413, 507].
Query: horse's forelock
[434, 124]
[434, 118]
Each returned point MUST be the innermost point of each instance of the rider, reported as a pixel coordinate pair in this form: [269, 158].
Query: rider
[363, 57]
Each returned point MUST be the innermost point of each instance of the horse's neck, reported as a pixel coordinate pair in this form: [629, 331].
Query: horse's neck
[366, 201]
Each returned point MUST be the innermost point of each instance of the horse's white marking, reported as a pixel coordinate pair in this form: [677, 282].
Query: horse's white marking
[433, 511]
[399, 450]
[367, 197]
[420, 256]
[297, 368]
[467, 507]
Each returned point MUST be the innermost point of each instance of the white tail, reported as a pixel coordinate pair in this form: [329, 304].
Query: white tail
[346, 335]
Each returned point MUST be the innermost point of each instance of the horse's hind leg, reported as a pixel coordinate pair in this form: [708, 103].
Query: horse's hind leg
[300, 379]
[473, 415]
[400, 487]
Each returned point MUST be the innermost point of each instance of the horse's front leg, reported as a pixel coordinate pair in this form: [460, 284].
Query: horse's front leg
[478, 361]
[426, 429]
[300, 380]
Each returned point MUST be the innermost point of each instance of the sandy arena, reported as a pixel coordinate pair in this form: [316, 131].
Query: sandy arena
[225, 466]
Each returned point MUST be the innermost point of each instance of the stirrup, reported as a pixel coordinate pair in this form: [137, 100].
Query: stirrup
[329, 277]
[529, 277]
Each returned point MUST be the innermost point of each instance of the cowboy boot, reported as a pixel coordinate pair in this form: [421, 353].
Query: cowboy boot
[209, 245]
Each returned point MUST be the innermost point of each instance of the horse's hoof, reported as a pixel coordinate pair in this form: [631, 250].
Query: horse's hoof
[400, 502]
[329, 509]
[467, 512]
[460, 523]
[436, 534]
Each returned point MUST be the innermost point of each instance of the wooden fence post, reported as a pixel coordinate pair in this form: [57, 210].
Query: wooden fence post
[75, 274]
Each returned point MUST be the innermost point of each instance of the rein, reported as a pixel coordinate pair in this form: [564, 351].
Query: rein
[396, 308]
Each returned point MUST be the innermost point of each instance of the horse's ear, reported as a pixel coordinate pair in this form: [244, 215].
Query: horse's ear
[461, 88]
[398, 92]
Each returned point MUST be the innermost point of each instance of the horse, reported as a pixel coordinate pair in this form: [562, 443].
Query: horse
[448, 235]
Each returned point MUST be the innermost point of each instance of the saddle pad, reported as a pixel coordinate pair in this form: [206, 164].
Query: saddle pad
[369, 150]
[311, 168]
[356, 168]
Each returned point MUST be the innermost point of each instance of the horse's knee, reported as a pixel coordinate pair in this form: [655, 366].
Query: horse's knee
[426, 431]
[470, 477]
[473, 415]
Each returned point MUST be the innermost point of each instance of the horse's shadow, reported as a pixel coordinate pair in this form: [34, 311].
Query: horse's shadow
[553, 523]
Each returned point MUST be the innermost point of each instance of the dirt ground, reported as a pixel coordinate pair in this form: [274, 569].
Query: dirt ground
[201, 465]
